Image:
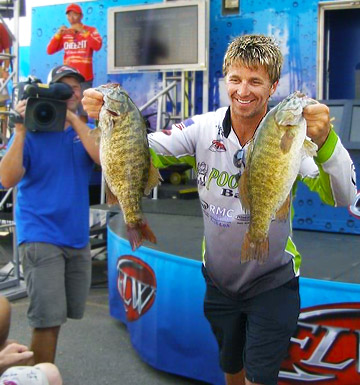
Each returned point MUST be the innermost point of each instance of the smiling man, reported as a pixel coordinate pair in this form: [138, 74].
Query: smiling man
[52, 171]
[252, 308]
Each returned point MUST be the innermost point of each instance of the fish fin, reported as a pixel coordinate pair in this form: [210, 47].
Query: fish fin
[154, 180]
[254, 250]
[310, 148]
[138, 233]
[110, 197]
[243, 190]
[287, 141]
[283, 212]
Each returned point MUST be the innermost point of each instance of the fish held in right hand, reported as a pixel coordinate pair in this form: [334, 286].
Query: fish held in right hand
[125, 160]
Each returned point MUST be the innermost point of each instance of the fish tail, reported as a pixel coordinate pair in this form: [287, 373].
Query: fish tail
[138, 233]
[254, 250]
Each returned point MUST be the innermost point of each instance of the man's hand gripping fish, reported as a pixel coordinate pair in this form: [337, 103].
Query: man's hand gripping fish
[272, 166]
[125, 160]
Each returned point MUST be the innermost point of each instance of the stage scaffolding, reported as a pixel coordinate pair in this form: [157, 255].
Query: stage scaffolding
[12, 285]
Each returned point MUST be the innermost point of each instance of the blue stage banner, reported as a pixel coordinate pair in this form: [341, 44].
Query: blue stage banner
[160, 298]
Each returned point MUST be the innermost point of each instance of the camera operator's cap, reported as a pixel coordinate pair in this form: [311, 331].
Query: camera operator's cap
[75, 8]
[62, 71]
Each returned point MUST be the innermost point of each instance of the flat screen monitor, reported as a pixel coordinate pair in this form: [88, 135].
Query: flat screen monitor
[355, 124]
[160, 37]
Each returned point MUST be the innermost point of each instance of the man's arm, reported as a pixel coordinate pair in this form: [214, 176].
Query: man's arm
[11, 165]
[56, 43]
[88, 140]
[334, 178]
[94, 39]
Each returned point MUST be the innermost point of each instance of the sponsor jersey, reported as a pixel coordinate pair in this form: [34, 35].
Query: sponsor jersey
[78, 49]
[208, 143]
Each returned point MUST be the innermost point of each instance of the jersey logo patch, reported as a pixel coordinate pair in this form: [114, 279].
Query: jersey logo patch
[217, 146]
[185, 123]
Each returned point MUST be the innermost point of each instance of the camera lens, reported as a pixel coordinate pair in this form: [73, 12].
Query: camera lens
[44, 113]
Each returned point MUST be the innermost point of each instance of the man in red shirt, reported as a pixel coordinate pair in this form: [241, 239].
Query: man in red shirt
[79, 42]
[5, 44]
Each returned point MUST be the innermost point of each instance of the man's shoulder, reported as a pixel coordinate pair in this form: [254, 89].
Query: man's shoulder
[213, 116]
[90, 28]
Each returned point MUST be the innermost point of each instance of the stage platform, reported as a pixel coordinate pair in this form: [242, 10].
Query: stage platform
[97, 349]
[328, 256]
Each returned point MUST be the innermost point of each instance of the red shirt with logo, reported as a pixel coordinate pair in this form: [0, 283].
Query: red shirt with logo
[78, 48]
[5, 41]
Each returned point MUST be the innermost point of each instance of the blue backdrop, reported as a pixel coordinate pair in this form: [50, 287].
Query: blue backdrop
[293, 24]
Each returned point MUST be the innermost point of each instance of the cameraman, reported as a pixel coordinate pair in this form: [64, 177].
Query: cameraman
[52, 172]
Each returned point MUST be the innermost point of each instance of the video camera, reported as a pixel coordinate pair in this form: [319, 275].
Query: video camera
[46, 104]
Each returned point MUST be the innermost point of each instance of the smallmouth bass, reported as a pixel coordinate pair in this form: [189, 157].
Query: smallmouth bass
[125, 160]
[272, 165]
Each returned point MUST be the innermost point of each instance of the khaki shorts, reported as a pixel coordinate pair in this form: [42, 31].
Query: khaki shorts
[57, 280]
[23, 375]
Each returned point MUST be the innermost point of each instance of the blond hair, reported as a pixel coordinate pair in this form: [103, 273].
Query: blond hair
[252, 51]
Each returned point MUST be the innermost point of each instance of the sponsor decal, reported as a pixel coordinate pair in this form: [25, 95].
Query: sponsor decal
[66, 68]
[202, 170]
[136, 286]
[217, 146]
[222, 179]
[242, 219]
[220, 133]
[220, 216]
[325, 348]
[204, 204]
[185, 123]
[75, 45]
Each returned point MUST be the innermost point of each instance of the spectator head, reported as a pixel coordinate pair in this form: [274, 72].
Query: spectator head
[72, 77]
[62, 71]
[74, 14]
[75, 8]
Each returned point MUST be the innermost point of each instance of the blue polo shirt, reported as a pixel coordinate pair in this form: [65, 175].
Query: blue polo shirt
[52, 202]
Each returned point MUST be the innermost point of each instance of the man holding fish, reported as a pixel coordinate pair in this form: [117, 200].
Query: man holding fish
[52, 171]
[248, 165]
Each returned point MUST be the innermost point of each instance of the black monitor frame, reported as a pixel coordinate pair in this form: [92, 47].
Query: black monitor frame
[151, 15]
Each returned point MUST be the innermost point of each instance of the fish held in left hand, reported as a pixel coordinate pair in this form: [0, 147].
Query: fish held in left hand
[125, 160]
[272, 165]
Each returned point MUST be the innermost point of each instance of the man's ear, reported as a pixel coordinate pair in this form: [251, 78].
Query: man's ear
[273, 87]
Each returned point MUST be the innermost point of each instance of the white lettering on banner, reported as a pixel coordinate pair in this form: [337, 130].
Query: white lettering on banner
[138, 290]
[325, 346]
[77, 45]
[316, 359]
